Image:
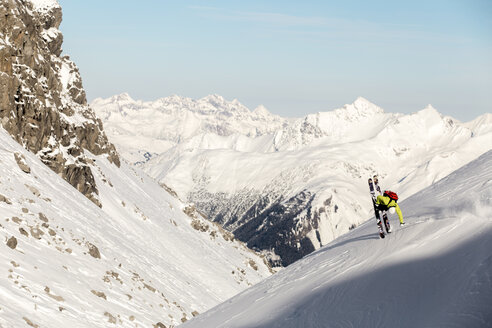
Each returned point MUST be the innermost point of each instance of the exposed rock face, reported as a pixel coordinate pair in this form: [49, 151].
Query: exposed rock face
[42, 102]
[259, 221]
[292, 219]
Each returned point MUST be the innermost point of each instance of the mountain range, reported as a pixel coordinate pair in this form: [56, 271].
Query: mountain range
[287, 186]
[138, 214]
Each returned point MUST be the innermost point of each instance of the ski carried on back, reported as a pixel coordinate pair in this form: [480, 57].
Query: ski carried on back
[375, 191]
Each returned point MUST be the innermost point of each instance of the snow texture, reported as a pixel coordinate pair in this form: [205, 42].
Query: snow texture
[144, 258]
[141, 127]
[268, 161]
[44, 5]
[436, 271]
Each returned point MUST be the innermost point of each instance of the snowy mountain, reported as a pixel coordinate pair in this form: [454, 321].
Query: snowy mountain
[297, 184]
[143, 258]
[146, 128]
[433, 272]
[88, 241]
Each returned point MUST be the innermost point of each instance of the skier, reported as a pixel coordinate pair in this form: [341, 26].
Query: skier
[387, 202]
[375, 190]
[383, 203]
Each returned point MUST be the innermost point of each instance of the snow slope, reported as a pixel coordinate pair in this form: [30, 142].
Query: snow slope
[290, 191]
[143, 258]
[436, 271]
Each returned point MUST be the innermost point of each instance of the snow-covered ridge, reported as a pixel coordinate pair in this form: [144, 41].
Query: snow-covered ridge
[353, 122]
[433, 272]
[185, 119]
[194, 121]
[360, 108]
[213, 105]
[314, 168]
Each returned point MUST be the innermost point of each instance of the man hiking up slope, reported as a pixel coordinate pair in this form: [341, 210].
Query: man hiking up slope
[387, 202]
[382, 203]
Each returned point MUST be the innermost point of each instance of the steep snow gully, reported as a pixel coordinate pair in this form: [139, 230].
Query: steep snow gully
[436, 271]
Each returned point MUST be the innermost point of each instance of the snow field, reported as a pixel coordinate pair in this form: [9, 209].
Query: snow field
[436, 271]
[137, 261]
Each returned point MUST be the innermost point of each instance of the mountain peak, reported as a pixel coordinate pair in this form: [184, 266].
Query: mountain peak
[123, 97]
[363, 103]
[362, 100]
[261, 110]
[361, 107]
[173, 99]
[214, 98]
[429, 111]
[430, 108]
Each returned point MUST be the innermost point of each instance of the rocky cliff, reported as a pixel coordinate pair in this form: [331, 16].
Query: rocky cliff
[42, 102]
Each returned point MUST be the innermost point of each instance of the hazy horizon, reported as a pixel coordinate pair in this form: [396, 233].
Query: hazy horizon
[293, 58]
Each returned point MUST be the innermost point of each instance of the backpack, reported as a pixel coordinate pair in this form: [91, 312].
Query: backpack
[392, 195]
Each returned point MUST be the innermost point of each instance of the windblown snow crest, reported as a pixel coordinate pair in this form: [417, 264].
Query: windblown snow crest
[288, 186]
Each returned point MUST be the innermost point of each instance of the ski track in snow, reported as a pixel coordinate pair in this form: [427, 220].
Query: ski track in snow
[435, 271]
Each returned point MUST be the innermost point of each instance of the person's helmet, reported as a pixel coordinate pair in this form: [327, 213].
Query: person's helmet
[392, 210]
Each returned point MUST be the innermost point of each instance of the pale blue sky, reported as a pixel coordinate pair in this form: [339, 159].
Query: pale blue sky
[294, 57]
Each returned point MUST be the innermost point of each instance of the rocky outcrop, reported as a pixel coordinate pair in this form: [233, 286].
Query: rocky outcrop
[42, 102]
[21, 162]
[12, 242]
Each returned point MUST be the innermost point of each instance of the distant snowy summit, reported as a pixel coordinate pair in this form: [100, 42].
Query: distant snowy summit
[141, 130]
[352, 122]
[214, 109]
[156, 126]
[361, 107]
[146, 127]
[287, 186]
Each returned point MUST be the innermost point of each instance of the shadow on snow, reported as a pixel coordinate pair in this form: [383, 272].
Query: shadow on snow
[450, 290]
